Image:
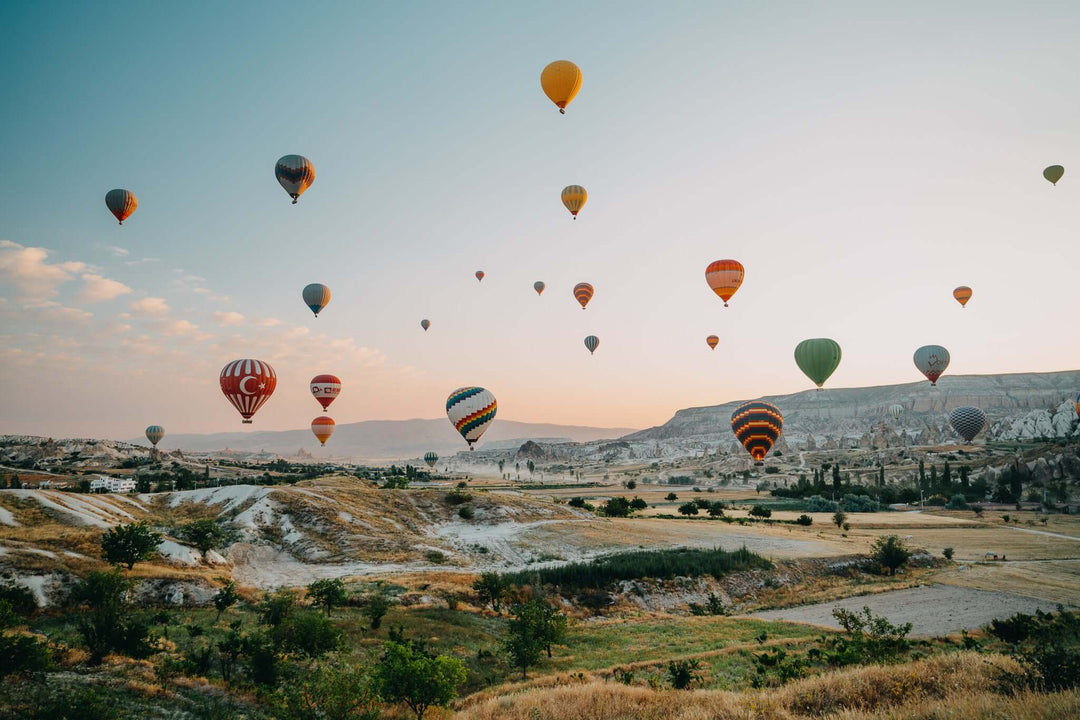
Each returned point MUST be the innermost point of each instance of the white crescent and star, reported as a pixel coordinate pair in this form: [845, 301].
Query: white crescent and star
[244, 382]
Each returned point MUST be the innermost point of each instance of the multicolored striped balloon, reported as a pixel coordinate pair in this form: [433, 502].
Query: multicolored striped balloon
[757, 425]
[471, 410]
[325, 389]
[248, 384]
[479, 275]
[574, 198]
[322, 427]
[931, 360]
[121, 203]
[725, 277]
[425, 323]
[316, 296]
[967, 421]
[962, 295]
[431, 457]
[539, 286]
[583, 293]
[592, 342]
[295, 173]
[712, 341]
[1078, 403]
[896, 411]
[154, 433]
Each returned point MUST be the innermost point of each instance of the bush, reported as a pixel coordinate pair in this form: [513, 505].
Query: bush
[839, 518]
[870, 638]
[772, 470]
[957, 502]
[327, 594]
[21, 600]
[309, 634]
[889, 551]
[638, 504]
[276, 608]
[816, 503]
[804, 519]
[329, 691]
[948, 553]
[206, 535]
[457, 497]
[109, 625]
[491, 587]
[465, 512]
[859, 503]
[671, 497]
[760, 511]
[631, 484]
[688, 509]
[375, 608]
[129, 544]
[683, 673]
[226, 597]
[713, 606]
[1047, 645]
[407, 675]
[716, 509]
[617, 507]
[23, 654]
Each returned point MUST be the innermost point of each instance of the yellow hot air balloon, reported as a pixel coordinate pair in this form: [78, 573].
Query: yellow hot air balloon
[561, 81]
[574, 198]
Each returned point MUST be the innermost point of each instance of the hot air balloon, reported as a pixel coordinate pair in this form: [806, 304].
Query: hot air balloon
[896, 411]
[725, 277]
[325, 389]
[561, 81]
[322, 427]
[1078, 403]
[471, 410]
[583, 293]
[967, 421]
[962, 295]
[574, 198]
[154, 433]
[592, 342]
[1053, 173]
[479, 275]
[295, 173]
[431, 457]
[712, 341]
[121, 203]
[539, 286]
[425, 323]
[316, 297]
[818, 358]
[932, 361]
[757, 425]
[247, 384]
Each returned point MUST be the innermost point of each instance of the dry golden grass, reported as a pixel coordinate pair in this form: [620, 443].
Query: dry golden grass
[954, 686]
[1055, 580]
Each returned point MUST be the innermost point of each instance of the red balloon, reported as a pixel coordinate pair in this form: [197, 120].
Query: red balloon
[248, 384]
[325, 389]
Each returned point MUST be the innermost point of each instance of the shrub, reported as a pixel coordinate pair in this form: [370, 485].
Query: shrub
[617, 507]
[860, 503]
[578, 502]
[1047, 645]
[889, 551]
[671, 497]
[457, 497]
[804, 519]
[839, 518]
[688, 509]
[713, 606]
[206, 535]
[375, 608]
[716, 509]
[23, 654]
[226, 597]
[957, 502]
[816, 503]
[21, 600]
[631, 484]
[276, 608]
[129, 544]
[491, 587]
[308, 634]
[407, 675]
[327, 594]
[771, 470]
[870, 638]
[948, 553]
[465, 512]
[760, 511]
[638, 504]
[109, 625]
[683, 673]
[330, 691]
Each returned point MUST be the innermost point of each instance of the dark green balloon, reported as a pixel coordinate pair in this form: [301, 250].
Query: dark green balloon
[818, 358]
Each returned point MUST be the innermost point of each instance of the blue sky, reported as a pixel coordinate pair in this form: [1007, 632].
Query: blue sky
[860, 159]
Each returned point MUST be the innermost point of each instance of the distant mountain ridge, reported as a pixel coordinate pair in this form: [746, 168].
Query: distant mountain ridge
[384, 439]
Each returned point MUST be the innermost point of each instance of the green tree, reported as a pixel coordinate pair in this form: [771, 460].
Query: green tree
[331, 691]
[671, 497]
[684, 673]
[524, 643]
[308, 634]
[760, 511]
[407, 675]
[226, 597]
[375, 608]
[276, 608]
[617, 507]
[688, 508]
[638, 504]
[631, 484]
[839, 518]
[327, 594]
[491, 587]
[109, 625]
[889, 551]
[204, 534]
[836, 478]
[129, 544]
[142, 484]
[716, 509]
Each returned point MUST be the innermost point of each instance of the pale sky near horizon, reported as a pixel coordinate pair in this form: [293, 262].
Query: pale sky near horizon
[860, 159]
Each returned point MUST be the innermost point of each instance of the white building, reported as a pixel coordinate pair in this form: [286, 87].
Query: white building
[104, 483]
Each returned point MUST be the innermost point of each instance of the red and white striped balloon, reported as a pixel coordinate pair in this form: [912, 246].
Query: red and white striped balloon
[325, 389]
[248, 384]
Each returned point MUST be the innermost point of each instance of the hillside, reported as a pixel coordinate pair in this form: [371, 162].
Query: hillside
[384, 439]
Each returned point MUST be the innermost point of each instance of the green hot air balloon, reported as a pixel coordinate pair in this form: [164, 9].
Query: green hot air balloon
[1054, 173]
[818, 358]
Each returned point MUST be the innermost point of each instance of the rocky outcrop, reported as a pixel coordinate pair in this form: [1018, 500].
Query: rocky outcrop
[1058, 422]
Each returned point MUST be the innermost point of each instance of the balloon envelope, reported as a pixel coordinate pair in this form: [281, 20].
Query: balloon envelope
[471, 410]
[431, 457]
[574, 198]
[962, 295]
[479, 275]
[121, 203]
[725, 277]
[322, 427]
[931, 360]
[154, 433]
[757, 425]
[539, 286]
[967, 421]
[561, 81]
[295, 173]
[818, 358]
[325, 389]
[592, 342]
[248, 384]
[712, 341]
[583, 293]
[1054, 173]
[425, 323]
[316, 297]
[1078, 403]
[896, 411]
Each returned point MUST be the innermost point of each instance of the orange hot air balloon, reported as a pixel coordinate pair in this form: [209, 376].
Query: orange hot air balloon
[712, 341]
[962, 295]
[479, 275]
[322, 427]
[583, 293]
[121, 203]
[725, 277]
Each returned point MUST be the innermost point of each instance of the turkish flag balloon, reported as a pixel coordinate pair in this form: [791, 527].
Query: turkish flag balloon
[325, 388]
[248, 384]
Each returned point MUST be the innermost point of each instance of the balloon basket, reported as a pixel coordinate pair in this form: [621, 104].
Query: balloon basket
[245, 422]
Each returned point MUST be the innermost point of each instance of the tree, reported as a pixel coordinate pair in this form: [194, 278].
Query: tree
[142, 484]
[617, 507]
[836, 477]
[502, 464]
[129, 544]
[671, 497]
[109, 625]
[327, 593]
[716, 509]
[276, 608]
[375, 609]
[839, 518]
[631, 484]
[889, 551]
[638, 504]
[526, 642]
[204, 534]
[308, 634]
[491, 587]
[407, 675]
[683, 673]
[881, 475]
[760, 511]
[688, 508]
[331, 691]
[226, 597]
[532, 466]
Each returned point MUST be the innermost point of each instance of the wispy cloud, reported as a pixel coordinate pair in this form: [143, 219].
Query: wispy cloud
[98, 289]
[149, 306]
[28, 270]
[228, 318]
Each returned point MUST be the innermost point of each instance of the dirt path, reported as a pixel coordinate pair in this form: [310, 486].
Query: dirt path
[1047, 534]
[932, 610]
